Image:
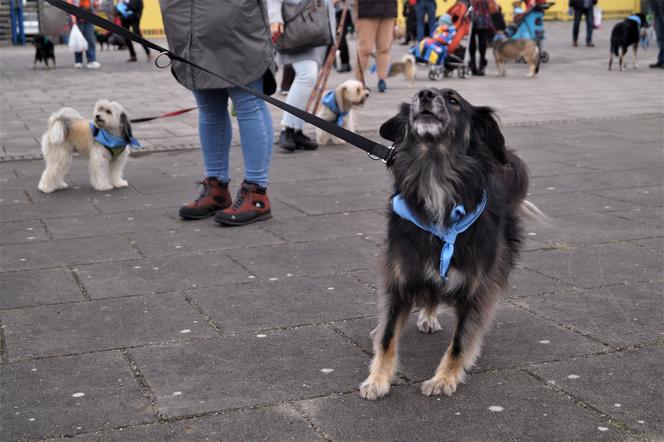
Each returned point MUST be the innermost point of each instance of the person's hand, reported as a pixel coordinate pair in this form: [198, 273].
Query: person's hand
[276, 29]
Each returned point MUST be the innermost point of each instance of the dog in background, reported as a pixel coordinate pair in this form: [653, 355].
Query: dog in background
[338, 105]
[452, 172]
[507, 49]
[406, 67]
[44, 50]
[625, 34]
[103, 141]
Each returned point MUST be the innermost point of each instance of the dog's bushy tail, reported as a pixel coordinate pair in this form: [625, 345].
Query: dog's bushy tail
[59, 123]
[616, 38]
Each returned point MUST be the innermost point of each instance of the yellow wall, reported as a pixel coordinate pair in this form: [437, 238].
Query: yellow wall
[151, 23]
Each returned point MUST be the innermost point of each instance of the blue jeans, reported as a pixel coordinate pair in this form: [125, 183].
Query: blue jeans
[588, 12]
[88, 31]
[423, 7]
[304, 82]
[658, 11]
[215, 131]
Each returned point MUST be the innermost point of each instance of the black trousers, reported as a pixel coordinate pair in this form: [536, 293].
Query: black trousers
[132, 24]
[343, 45]
[479, 38]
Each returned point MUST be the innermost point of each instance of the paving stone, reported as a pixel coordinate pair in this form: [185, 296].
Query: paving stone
[576, 203]
[565, 183]
[178, 242]
[633, 178]
[621, 316]
[528, 411]
[339, 202]
[595, 266]
[136, 201]
[283, 365]
[516, 339]
[22, 232]
[263, 424]
[20, 212]
[56, 396]
[35, 287]
[524, 282]
[101, 325]
[646, 196]
[159, 275]
[8, 198]
[582, 229]
[625, 385]
[48, 254]
[653, 244]
[643, 215]
[109, 224]
[322, 227]
[319, 257]
[284, 303]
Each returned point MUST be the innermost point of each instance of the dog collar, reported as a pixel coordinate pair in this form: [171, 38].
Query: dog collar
[115, 145]
[460, 222]
[330, 100]
[635, 18]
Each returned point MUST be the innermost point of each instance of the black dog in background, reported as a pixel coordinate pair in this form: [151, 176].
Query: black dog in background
[625, 34]
[44, 50]
[450, 166]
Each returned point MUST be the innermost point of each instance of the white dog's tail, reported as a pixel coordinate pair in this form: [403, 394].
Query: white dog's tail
[58, 124]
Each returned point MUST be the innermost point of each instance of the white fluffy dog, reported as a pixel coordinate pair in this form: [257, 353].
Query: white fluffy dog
[103, 141]
[337, 105]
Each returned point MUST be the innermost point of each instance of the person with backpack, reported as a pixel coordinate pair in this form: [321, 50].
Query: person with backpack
[130, 12]
[481, 34]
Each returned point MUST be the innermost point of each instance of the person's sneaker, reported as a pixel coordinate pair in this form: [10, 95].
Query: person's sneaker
[93, 65]
[304, 142]
[345, 67]
[590, 44]
[575, 44]
[78, 65]
[214, 197]
[132, 59]
[287, 139]
[656, 65]
[251, 205]
[382, 86]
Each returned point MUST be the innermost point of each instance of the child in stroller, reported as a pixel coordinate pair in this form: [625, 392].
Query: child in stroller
[443, 51]
[529, 24]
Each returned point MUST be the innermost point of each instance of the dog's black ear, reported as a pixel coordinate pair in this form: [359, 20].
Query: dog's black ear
[486, 128]
[125, 126]
[394, 129]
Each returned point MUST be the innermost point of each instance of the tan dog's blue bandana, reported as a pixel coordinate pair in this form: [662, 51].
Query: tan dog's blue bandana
[460, 222]
[115, 145]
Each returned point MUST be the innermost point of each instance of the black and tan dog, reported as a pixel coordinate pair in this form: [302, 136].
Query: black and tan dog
[454, 231]
[625, 34]
[44, 50]
[507, 49]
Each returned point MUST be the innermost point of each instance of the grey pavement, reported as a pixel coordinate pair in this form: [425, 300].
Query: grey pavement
[118, 321]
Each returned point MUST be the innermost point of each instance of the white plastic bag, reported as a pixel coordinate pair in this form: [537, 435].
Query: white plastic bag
[597, 18]
[77, 43]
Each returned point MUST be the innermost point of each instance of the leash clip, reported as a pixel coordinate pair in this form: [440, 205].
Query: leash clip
[388, 160]
[156, 60]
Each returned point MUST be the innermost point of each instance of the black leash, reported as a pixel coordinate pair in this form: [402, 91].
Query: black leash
[375, 150]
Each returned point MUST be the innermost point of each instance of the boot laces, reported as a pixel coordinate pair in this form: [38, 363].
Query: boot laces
[205, 185]
[239, 199]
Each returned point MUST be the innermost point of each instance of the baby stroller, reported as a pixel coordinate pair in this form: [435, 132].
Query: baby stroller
[530, 25]
[443, 52]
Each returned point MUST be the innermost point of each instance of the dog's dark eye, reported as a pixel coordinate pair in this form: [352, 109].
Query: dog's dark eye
[452, 100]
[108, 112]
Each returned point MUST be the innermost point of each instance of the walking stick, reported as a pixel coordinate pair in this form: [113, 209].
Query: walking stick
[321, 81]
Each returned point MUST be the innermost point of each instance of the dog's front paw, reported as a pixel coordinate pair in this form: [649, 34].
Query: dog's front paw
[428, 323]
[120, 183]
[46, 189]
[371, 389]
[437, 385]
[102, 187]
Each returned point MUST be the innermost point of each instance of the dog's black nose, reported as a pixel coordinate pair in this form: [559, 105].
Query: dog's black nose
[426, 96]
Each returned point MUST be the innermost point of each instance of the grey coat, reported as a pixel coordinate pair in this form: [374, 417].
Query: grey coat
[317, 53]
[229, 37]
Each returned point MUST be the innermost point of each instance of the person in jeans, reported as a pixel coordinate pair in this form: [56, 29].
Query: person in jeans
[88, 31]
[422, 8]
[306, 64]
[375, 26]
[583, 7]
[657, 7]
[130, 16]
[233, 41]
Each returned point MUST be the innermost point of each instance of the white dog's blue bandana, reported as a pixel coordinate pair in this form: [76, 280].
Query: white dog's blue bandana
[115, 145]
[459, 223]
[330, 100]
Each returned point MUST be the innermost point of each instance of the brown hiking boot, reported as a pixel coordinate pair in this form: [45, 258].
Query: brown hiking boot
[214, 196]
[251, 205]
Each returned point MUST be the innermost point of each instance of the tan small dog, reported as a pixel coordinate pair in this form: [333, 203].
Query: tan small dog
[507, 49]
[103, 141]
[337, 105]
[406, 67]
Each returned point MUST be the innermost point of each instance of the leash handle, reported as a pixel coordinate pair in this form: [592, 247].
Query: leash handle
[356, 140]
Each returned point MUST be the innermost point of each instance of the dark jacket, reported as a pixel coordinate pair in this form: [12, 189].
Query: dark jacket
[376, 8]
[230, 37]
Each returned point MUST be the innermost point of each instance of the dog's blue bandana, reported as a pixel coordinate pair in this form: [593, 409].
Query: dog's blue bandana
[115, 145]
[330, 100]
[459, 223]
[635, 18]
